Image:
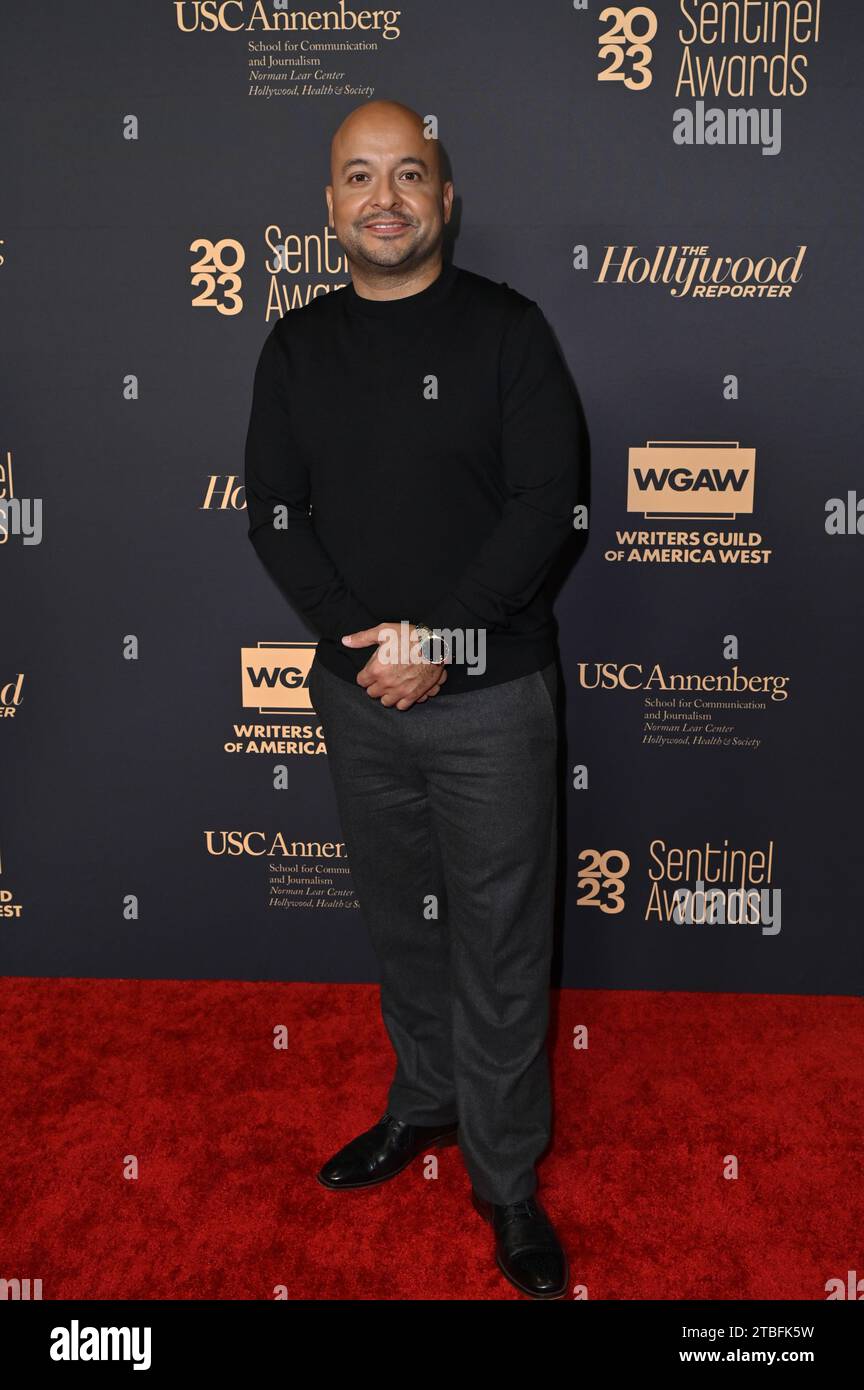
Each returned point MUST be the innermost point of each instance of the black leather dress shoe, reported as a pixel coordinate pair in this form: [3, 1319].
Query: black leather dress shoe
[527, 1249]
[383, 1151]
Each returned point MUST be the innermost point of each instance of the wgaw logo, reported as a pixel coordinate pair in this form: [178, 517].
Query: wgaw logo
[711, 479]
[274, 676]
[212, 270]
[76, 1343]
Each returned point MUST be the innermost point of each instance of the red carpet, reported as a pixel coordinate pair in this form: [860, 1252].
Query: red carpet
[228, 1132]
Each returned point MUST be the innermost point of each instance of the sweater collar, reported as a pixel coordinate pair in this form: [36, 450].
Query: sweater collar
[409, 305]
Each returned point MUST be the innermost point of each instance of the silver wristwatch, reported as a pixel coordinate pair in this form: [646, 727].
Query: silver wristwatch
[433, 648]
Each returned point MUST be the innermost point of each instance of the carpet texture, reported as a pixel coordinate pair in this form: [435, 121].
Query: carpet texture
[228, 1130]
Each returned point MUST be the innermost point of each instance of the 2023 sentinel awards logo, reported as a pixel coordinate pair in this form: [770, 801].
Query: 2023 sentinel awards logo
[703, 885]
[753, 51]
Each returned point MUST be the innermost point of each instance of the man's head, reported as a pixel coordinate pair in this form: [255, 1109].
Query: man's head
[386, 199]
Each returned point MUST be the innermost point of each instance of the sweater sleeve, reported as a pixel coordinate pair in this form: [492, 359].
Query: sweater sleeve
[543, 448]
[281, 528]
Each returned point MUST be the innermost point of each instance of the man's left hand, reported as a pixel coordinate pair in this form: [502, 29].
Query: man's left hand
[402, 684]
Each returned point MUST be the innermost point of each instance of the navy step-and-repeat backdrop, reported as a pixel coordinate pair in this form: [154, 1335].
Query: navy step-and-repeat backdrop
[678, 186]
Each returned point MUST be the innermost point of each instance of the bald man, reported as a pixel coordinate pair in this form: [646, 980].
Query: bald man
[413, 462]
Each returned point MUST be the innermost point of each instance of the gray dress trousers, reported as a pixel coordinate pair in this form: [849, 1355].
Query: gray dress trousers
[449, 815]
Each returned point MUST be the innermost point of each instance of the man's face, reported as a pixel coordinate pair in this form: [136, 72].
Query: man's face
[387, 203]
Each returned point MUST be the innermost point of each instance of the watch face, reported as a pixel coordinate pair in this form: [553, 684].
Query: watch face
[434, 649]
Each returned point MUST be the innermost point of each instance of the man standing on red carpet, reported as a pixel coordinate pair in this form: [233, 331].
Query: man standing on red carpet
[412, 467]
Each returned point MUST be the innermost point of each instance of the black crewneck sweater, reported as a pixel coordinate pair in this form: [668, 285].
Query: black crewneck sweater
[417, 459]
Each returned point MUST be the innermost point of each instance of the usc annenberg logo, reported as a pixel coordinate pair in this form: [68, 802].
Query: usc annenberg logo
[708, 479]
[631, 675]
[208, 16]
